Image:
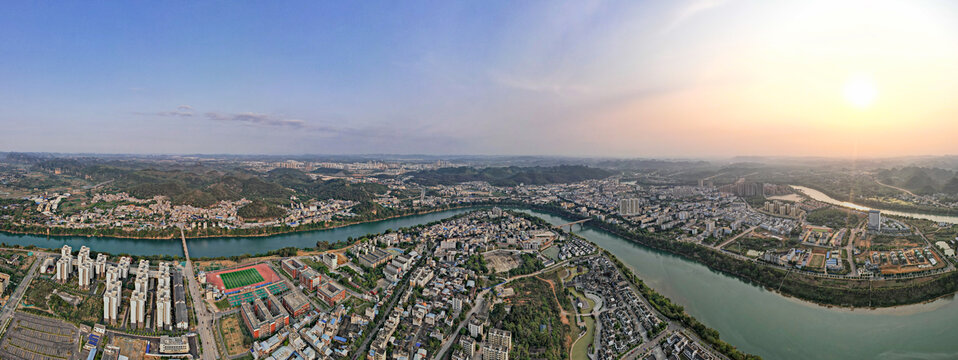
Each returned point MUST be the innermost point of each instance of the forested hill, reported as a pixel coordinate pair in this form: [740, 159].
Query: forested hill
[276, 188]
[510, 176]
[203, 185]
[921, 180]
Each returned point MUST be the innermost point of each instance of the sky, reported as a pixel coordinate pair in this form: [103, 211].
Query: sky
[687, 78]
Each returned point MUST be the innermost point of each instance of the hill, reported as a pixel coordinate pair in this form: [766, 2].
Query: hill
[510, 176]
[259, 209]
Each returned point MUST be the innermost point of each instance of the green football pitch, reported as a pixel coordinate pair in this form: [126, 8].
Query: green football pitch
[241, 278]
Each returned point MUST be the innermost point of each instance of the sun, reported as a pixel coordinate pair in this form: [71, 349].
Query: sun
[860, 91]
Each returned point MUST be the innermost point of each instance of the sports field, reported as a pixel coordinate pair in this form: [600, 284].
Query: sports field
[241, 278]
[232, 280]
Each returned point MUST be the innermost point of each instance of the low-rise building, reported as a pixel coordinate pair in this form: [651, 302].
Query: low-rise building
[310, 279]
[174, 345]
[293, 267]
[374, 258]
[331, 293]
[296, 304]
[264, 318]
[492, 352]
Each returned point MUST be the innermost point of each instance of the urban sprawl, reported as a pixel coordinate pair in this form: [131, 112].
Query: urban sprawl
[491, 283]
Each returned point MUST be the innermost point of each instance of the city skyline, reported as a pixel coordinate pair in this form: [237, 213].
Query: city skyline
[687, 79]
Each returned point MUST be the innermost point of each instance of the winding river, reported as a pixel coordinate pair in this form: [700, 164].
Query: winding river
[753, 319]
[775, 327]
[820, 196]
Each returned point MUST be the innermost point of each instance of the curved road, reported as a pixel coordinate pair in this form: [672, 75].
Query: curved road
[481, 298]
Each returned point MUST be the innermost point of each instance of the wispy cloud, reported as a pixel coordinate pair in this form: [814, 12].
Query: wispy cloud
[181, 111]
[540, 85]
[256, 119]
[689, 10]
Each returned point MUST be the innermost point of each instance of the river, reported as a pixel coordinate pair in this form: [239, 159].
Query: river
[776, 327]
[820, 196]
[224, 246]
[753, 319]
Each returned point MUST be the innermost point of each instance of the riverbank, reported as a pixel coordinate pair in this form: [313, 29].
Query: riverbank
[676, 312]
[918, 212]
[270, 231]
[226, 247]
[826, 292]
[768, 324]
[848, 293]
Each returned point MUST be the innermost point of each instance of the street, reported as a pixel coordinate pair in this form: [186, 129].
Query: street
[481, 297]
[729, 241]
[204, 319]
[14, 300]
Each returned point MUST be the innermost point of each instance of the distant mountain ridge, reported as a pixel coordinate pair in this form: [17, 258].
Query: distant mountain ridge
[510, 175]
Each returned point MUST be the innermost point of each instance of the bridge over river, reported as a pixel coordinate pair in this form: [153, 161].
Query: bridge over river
[753, 319]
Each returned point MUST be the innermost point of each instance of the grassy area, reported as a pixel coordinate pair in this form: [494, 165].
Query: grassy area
[817, 261]
[237, 279]
[236, 338]
[223, 304]
[580, 350]
[36, 295]
[744, 244]
[40, 297]
[834, 217]
[587, 304]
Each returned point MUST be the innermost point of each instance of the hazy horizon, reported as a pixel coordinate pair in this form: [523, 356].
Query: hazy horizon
[687, 79]
[386, 156]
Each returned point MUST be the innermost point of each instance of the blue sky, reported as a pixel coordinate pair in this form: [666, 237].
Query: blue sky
[443, 77]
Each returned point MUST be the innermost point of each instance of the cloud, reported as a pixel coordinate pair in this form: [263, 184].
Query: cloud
[256, 119]
[690, 10]
[175, 113]
[181, 111]
[540, 85]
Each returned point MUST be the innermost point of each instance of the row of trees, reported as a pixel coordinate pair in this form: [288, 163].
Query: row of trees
[677, 312]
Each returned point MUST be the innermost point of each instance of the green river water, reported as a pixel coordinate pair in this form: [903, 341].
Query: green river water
[753, 319]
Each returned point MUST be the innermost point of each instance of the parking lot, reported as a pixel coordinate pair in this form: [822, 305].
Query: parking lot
[35, 337]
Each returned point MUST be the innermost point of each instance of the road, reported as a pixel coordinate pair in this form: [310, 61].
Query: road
[729, 241]
[220, 314]
[645, 346]
[597, 325]
[950, 266]
[447, 344]
[896, 188]
[481, 298]
[397, 293]
[204, 319]
[14, 300]
[850, 249]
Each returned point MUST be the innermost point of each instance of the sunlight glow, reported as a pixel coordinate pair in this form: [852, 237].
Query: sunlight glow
[860, 91]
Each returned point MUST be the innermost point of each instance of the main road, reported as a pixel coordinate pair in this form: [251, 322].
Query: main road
[14, 299]
[204, 319]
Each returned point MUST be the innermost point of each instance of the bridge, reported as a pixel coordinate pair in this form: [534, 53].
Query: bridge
[186, 251]
[572, 223]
